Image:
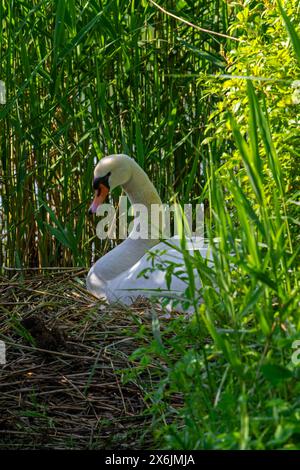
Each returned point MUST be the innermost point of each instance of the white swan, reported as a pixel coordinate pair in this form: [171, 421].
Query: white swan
[115, 276]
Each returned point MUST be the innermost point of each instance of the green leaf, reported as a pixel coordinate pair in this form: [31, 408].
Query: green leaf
[246, 157]
[60, 236]
[246, 204]
[59, 26]
[291, 31]
[275, 373]
[156, 329]
[253, 137]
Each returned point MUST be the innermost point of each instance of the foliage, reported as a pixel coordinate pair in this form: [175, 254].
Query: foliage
[232, 364]
[85, 79]
[266, 54]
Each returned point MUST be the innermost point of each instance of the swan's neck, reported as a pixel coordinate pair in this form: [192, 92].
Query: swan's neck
[140, 190]
[143, 195]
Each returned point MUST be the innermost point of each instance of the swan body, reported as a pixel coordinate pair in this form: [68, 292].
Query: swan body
[138, 267]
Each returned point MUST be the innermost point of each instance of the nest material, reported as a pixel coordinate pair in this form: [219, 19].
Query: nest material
[62, 386]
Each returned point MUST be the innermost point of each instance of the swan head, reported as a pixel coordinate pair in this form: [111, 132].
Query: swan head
[110, 172]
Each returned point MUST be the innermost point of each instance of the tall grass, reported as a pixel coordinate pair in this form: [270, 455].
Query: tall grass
[232, 364]
[232, 370]
[85, 79]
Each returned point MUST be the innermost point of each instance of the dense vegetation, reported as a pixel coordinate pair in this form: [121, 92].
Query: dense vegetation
[212, 118]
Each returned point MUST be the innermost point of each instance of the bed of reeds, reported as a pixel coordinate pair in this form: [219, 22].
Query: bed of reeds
[66, 355]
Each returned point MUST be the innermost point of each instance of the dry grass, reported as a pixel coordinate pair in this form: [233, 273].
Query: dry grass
[62, 384]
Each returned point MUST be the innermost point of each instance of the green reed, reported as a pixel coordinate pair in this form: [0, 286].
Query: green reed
[232, 364]
[229, 375]
[85, 79]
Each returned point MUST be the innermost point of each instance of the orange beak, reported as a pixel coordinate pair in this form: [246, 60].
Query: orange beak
[100, 196]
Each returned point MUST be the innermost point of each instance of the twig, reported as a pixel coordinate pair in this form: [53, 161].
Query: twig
[214, 33]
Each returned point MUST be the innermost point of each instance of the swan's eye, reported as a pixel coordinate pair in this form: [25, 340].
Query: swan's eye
[101, 180]
[96, 183]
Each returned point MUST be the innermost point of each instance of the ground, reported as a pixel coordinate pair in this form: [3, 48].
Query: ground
[67, 355]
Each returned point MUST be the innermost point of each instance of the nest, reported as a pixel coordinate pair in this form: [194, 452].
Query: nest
[66, 358]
